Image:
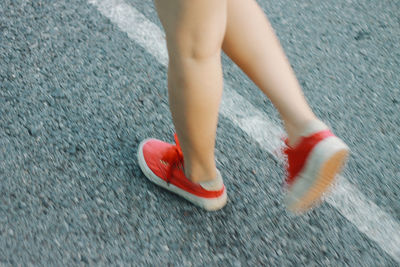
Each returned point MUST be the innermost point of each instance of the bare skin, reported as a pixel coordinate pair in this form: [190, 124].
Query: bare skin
[196, 32]
[252, 44]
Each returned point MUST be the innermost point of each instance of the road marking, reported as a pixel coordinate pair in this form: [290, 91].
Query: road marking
[350, 202]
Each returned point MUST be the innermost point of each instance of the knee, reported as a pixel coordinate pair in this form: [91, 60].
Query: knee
[196, 45]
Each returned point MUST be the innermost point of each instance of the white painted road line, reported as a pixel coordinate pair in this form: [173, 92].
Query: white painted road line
[350, 202]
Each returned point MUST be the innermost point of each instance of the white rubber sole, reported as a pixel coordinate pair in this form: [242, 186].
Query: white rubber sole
[209, 204]
[324, 162]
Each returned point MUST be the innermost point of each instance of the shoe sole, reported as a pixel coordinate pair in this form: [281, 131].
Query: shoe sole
[324, 163]
[210, 204]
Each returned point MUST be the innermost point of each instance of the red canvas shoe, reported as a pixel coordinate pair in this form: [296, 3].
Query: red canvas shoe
[312, 166]
[162, 163]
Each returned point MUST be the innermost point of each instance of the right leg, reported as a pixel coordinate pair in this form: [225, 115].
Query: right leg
[251, 43]
[314, 154]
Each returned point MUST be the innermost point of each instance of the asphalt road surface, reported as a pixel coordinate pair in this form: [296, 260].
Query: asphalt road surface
[83, 82]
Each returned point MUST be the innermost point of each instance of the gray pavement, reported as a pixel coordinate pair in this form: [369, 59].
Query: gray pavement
[77, 96]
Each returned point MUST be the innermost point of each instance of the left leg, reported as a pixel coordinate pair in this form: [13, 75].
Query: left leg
[195, 30]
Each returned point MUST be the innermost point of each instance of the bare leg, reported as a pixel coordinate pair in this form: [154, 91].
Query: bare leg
[252, 44]
[195, 30]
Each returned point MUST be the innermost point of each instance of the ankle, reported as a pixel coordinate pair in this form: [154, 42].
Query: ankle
[199, 174]
[215, 184]
[295, 133]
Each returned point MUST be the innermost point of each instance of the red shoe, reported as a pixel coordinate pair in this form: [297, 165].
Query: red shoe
[162, 163]
[312, 166]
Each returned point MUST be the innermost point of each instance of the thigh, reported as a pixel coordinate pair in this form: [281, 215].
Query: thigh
[193, 27]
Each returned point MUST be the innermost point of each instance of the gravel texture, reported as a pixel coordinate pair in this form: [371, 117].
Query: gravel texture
[77, 96]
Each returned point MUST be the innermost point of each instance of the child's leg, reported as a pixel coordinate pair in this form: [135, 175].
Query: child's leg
[318, 155]
[251, 43]
[195, 30]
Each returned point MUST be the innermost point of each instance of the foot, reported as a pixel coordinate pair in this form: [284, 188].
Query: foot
[312, 165]
[162, 163]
